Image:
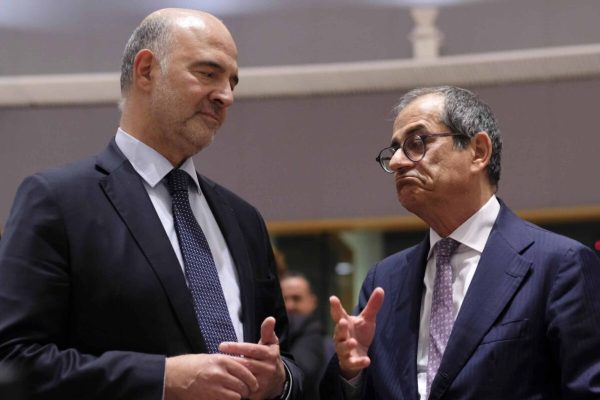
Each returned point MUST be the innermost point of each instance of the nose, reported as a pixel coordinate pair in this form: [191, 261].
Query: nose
[223, 95]
[399, 160]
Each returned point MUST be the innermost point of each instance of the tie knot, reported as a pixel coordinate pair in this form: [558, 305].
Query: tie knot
[446, 247]
[177, 181]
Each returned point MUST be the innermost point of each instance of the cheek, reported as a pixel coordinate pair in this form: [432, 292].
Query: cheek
[197, 92]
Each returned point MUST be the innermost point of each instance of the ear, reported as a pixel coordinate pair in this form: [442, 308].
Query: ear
[143, 65]
[482, 150]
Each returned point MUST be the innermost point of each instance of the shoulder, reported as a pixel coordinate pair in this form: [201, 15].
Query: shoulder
[526, 237]
[549, 240]
[554, 258]
[59, 181]
[73, 175]
[65, 174]
[518, 231]
[557, 254]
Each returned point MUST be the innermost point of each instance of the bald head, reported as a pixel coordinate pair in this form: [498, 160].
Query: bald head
[156, 33]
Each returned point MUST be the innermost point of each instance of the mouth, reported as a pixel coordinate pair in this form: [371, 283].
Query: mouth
[211, 117]
[404, 179]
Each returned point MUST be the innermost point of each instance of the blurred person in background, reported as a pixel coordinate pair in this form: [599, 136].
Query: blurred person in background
[308, 344]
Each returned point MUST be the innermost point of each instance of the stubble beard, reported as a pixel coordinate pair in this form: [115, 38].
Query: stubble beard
[190, 134]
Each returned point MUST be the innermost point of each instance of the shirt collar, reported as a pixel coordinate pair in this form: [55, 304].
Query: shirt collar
[147, 162]
[474, 231]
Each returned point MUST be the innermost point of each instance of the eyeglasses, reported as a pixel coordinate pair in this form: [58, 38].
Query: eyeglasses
[413, 148]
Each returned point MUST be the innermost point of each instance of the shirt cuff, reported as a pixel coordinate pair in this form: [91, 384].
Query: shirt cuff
[287, 386]
[164, 380]
[352, 387]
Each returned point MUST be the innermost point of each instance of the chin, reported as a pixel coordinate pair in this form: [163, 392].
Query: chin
[202, 143]
[200, 137]
[409, 200]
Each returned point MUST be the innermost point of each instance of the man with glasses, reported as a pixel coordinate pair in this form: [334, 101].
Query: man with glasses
[487, 306]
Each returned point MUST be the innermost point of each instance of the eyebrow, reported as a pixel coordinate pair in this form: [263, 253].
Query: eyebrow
[215, 65]
[411, 131]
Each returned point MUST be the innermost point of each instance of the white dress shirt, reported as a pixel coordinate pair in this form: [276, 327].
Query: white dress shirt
[153, 167]
[472, 236]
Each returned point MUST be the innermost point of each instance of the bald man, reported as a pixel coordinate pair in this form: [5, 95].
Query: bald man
[103, 261]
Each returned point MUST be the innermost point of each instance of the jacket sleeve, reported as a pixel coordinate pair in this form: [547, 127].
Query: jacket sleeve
[573, 313]
[35, 289]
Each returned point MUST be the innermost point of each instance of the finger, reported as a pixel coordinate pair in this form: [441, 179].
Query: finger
[342, 331]
[373, 305]
[346, 348]
[229, 348]
[259, 368]
[250, 350]
[228, 394]
[252, 364]
[355, 363]
[228, 385]
[336, 309]
[267, 332]
[243, 377]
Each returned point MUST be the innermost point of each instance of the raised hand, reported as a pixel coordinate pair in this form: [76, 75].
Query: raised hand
[262, 360]
[353, 334]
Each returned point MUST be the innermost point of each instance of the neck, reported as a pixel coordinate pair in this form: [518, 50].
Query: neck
[449, 216]
[142, 131]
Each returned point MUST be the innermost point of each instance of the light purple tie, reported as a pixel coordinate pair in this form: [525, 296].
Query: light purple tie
[442, 319]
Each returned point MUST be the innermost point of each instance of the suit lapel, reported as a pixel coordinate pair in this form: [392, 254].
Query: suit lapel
[125, 190]
[403, 338]
[499, 275]
[228, 223]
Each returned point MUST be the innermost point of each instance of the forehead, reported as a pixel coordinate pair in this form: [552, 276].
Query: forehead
[294, 285]
[422, 113]
[193, 35]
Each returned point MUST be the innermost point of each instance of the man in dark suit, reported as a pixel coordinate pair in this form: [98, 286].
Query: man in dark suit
[487, 306]
[95, 297]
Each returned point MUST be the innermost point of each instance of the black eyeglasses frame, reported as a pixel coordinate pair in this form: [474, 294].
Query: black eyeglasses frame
[423, 137]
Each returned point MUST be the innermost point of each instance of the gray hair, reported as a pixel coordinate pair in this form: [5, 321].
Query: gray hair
[154, 33]
[464, 113]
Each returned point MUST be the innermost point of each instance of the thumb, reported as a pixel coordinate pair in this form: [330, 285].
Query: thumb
[267, 332]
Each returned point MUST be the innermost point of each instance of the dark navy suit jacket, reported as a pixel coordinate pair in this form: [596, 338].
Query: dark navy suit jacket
[92, 297]
[528, 328]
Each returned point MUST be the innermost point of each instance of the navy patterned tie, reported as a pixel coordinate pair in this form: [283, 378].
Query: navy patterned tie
[441, 307]
[200, 271]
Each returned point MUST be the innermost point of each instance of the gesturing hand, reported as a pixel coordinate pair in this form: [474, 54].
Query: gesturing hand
[262, 360]
[353, 334]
